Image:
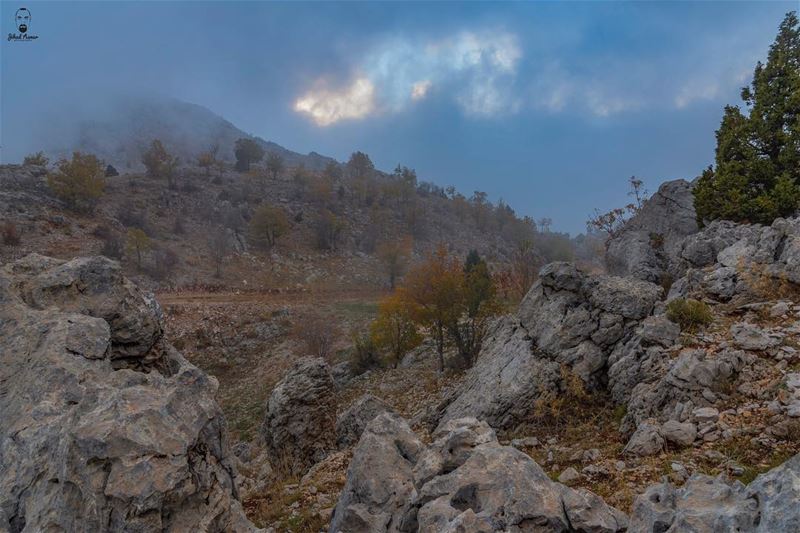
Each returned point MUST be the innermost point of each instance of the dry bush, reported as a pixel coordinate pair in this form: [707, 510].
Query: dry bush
[10, 234]
[689, 314]
[317, 334]
[761, 283]
[555, 410]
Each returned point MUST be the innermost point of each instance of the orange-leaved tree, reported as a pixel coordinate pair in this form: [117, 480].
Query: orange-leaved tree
[432, 290]
[395, 330]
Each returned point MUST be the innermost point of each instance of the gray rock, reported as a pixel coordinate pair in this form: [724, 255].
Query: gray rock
[649, 245]
[569, 319]
[464, 481]
[351, 423]
[680, 433]
[380, 481]
[299, 429]
[751, 337]
[645, 441]
[568, 476]
[87, 444]
[766, 505]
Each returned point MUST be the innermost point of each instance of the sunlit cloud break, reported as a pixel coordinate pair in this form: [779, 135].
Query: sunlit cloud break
[326, 106]
[475, 69]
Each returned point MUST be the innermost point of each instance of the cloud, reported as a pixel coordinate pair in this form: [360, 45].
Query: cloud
[326, 106]
[696, 90]
[420, 89]
[475, 69]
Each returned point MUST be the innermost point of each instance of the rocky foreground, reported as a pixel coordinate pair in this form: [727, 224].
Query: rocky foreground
[106, 427]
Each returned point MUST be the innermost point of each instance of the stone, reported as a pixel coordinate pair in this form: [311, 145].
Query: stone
[380, 480]
[680, 433]
[704, 503]
[104, 426]
[568, 476]
[351, 423]
[779, 309]
[568, 319]
[706, 414]
[649, 245]
[751, 337]
[299, 428]
[464, 481]
[645, 441]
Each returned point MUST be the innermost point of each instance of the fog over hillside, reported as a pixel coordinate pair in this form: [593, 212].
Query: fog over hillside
[119, 128]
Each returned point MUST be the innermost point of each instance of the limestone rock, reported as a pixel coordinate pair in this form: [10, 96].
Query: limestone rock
[87, 444]
[299, 429]
[568, 318]
[646, 440]
[464, 481]
[767, 504]
[648, 247]
[351, 423]
[751, 337]
[680, 433]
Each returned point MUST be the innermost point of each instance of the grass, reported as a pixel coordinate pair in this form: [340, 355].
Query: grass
[689, 314]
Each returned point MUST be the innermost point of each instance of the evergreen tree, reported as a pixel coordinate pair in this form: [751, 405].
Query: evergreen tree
[757, 174]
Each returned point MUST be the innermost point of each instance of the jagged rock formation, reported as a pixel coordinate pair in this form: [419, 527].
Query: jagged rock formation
[766, 505]
[351, 423]
[649, 245]
[104, 426]
[300, 425]
[464, 481]
[728, 259]
[567, 318]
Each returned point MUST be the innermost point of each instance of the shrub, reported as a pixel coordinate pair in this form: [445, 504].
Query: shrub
[10, 234]
[247, 151]
[160, 163]
[113, 247]
[689, 314]
[137, 243]
[36, 159]
[79, 182]
[365, 355]
[317, 333]
[268, 225]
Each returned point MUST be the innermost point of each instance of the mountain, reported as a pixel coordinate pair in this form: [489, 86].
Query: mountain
[120, 129]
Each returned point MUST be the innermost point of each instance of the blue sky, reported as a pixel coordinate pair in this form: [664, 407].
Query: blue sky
[550, 106]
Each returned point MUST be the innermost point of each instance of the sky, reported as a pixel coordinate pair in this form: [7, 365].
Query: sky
[548, 106]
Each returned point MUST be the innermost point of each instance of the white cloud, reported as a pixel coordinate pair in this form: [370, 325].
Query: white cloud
[420, 89]
[326, 106]
[696, 90]
[476, 69]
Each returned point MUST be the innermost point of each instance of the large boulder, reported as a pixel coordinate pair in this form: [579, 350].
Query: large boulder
[104, 426]
[299, 429]
[464, 481]
[568, 319]
[351, 423]
[766, 505]
[648, 246]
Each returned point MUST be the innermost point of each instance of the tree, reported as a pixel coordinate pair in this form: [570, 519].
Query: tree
[394, 330]
[268, 225]
[79, 182]
[757, 173]
[275, 165]
[38, 159]
[329, 229]
[478, 302]
[394, 256]
[360, 169]
[219, 248]
[160, 163]
[247, 152]
[208, 159]
[432, 291]
[333, 171]
[137, 243]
